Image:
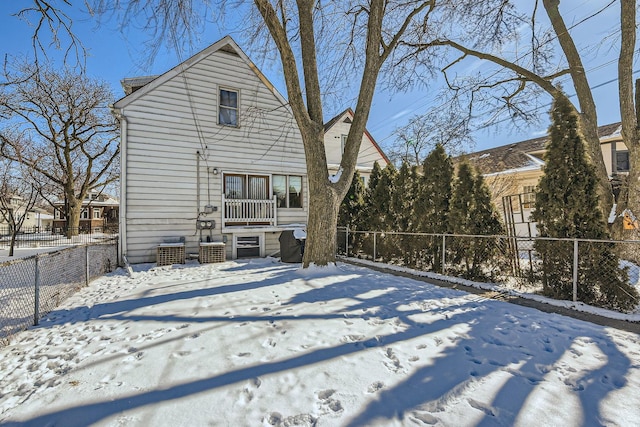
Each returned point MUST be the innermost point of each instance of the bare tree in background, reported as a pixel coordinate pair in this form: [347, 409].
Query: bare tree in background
[18, 196]
[515, 87]
[59, 126]
[415, 140]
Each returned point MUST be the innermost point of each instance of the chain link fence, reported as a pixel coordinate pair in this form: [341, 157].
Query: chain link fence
[35, 237]
[602, 273]
[32, 287]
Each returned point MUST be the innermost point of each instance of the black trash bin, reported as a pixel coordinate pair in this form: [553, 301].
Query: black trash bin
[290, 247]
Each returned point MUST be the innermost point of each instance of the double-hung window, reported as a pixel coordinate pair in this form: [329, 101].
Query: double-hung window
[96, 213]
[528, 196]
[228, 107]
[288, 190]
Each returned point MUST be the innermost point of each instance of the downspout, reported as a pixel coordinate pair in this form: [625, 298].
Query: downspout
[198, 195]
[197, 185]
[122, 220]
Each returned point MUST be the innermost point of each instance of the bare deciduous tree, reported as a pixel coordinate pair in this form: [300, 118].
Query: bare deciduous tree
[18, 195]
[365, 33]
[525, 70]
[53, 29]
[442, 126]
[59, 127]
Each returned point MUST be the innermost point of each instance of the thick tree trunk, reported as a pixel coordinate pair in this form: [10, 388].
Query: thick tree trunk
[588, 115]
[324, 204]
[589, 128]
[630, 195]
[73, 217]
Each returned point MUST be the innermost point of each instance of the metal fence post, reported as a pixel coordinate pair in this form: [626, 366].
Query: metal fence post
[444, 249]
[374, 246]
[346, 246]
[86, 265]
[575, 270]
[36, 308]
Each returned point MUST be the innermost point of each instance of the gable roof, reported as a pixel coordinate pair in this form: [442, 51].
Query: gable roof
[226, 44]
[524, 155]
[349, 116]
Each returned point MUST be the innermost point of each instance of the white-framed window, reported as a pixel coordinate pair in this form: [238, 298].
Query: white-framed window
[248, 246]
[96, 213]
[228, 107]
[343, 143]
[288, 191]
[84, 214]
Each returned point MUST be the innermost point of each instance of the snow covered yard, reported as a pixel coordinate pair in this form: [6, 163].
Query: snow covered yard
[258, 342]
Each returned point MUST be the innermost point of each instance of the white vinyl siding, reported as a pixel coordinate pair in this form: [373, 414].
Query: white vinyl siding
[334, 141]
[166, 129]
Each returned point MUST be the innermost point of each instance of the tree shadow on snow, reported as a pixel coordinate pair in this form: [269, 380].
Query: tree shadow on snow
[481, 338]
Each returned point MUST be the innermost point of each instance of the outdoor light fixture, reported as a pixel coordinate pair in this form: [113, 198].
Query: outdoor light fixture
[215, 171]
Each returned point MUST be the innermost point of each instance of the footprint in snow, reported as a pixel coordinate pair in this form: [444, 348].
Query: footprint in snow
[269, 343]
[376, 386]
[393, 363]
[351, 338]
[327, 401]
[301, 420]
[424, 418]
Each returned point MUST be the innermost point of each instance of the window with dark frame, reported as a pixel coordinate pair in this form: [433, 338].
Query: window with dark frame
[228, 107]
[254, 187]
[288, 191]
[622, 161]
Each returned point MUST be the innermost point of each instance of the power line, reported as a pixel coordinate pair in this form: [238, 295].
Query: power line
[599, 85]
[555, 37]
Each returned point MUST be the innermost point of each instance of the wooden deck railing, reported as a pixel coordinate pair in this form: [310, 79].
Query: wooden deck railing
[250, 211]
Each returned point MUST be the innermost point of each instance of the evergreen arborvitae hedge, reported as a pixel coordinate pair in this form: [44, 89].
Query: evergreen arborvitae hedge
[472, 213]
[567, 207]
[350, 212]
[353, 203]
[431, 206]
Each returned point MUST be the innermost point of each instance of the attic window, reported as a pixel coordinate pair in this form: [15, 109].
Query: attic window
[346, 120]
[228, 107]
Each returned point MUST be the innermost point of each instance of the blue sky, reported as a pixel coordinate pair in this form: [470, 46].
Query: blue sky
[114, 55]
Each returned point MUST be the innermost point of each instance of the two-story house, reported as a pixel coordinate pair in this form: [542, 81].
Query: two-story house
[210, 151]
[335, 137]
[99, 214]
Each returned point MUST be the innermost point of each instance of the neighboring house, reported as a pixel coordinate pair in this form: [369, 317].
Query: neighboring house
[512, 172]
[99, 213]
[37, 219]
[210, 151]
[335, 136]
